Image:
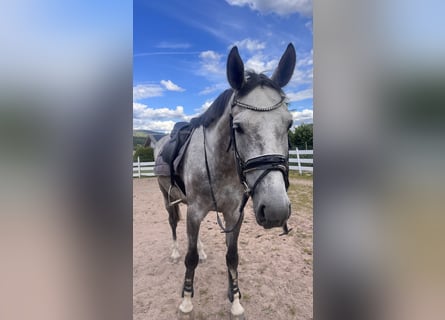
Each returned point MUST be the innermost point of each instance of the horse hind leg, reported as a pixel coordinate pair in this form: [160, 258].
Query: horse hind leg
[173, 218]
[201, 253]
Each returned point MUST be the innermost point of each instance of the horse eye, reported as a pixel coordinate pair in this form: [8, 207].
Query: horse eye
[238, 128]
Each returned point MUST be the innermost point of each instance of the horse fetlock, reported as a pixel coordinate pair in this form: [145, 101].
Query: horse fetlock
[188, 288]
[202, 257]
[175, 253]
[232, 292]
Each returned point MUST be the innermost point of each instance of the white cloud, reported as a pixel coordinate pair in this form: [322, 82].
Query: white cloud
[173, 45]
[309, 25]
[280, 7]
[169, 85]
[306, 116]
[249, 44]
[211, 64]
[220, 86]
[306, 60]
[142, 111]
[158, 119]
[160, 126]
[204, 107]
[302, 76]
[142, 91]
[300, 95]
[209, 55]
[208, 90]
[259, 63]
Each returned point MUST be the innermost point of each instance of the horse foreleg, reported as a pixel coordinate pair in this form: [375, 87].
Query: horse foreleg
[234, 293]
[191, 261]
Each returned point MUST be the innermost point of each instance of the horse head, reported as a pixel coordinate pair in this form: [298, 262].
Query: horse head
[260, 121]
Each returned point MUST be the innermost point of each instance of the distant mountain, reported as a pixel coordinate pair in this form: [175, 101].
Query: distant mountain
[140, 136]
[145, 133]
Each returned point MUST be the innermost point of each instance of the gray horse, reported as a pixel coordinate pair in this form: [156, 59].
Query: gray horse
[238, 149]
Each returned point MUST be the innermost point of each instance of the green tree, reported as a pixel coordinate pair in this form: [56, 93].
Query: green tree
[138, 142]
[302, 137]
[144, 154]
[291, 137]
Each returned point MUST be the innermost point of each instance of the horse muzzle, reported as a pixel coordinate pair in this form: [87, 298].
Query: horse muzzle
[272, 215]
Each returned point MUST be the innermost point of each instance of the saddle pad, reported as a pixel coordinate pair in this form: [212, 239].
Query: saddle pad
[162, 168]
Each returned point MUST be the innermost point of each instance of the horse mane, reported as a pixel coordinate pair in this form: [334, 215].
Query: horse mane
[214, 112]
[218, 106]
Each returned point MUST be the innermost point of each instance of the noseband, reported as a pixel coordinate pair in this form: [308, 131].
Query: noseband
[267, 163]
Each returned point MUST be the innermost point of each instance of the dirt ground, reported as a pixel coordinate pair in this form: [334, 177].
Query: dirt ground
[275, 273]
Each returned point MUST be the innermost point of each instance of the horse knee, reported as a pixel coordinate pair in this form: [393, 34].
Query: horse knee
[232, 258]
[192, 259]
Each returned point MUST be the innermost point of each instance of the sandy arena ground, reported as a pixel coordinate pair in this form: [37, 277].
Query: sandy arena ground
[275, 273]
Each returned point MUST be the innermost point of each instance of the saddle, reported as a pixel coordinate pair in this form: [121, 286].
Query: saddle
[174, 149]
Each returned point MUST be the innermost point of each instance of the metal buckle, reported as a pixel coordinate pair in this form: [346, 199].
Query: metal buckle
[246, 188]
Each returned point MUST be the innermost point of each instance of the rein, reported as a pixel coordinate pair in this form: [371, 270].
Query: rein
[268, 163]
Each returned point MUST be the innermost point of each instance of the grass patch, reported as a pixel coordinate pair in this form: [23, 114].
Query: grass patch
[301, 196]
[307, 176]
[203, 291]
[200, 316]
[268, 310]
[293, 311]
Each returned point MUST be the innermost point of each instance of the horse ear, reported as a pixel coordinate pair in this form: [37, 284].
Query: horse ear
[235, 69]
[286, 66]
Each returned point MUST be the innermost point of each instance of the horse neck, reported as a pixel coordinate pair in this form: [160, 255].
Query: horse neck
[218, 143]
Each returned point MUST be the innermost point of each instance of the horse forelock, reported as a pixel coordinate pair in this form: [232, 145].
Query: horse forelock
[254, 80]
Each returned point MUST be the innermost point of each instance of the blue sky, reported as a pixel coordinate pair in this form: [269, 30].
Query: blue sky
[180, 50]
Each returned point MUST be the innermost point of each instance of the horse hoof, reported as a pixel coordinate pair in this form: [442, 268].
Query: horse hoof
[186, 315]
[238, 316]
[174, 260]
[202, 260]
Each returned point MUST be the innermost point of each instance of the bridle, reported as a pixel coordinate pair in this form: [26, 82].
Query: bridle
[266, 162]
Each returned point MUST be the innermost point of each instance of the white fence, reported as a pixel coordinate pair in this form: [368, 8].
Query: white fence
[307, 159]
[145, 169]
